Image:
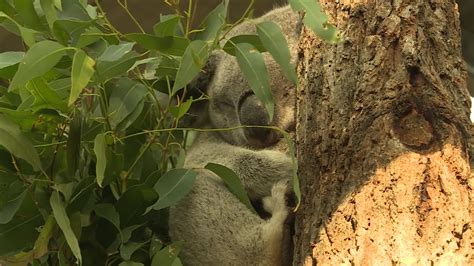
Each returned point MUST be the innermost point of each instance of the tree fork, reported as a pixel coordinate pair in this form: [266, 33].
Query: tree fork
[382, 138]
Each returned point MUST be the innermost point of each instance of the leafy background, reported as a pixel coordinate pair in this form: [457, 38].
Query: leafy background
[91, 142]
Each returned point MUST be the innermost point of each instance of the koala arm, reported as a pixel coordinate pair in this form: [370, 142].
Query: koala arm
[257, 170]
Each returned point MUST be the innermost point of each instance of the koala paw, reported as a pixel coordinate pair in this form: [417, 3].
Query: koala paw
[277, 202]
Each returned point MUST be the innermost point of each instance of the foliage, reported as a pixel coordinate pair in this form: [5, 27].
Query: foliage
[90, 149]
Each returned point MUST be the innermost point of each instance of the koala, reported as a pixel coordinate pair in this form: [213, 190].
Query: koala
[217, 228]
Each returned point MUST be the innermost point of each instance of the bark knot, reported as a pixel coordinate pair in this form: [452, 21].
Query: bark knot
[414, 130]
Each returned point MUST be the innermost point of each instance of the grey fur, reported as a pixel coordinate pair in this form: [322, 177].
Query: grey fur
[217, 228]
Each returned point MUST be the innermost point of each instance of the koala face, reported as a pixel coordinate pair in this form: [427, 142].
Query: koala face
[233, 103]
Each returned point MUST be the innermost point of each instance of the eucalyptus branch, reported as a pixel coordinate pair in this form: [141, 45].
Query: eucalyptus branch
[124, 6]
[104, 16]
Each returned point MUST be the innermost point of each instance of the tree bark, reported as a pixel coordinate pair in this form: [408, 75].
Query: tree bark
[382, 138]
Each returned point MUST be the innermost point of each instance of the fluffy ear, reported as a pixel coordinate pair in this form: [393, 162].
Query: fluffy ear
[198, 113]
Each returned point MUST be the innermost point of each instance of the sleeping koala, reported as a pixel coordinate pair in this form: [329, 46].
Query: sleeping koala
[217, 228]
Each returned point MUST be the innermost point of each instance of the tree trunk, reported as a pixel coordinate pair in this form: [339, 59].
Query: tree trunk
[382, 138]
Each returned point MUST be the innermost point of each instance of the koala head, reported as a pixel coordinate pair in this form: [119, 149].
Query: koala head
[232, 102]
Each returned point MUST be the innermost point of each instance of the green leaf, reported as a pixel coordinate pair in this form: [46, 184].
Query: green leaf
[49, 11]
[115, 52]
[20, 233]
[26, 10]
[232, 182]
[125, 98]
[9, 209]
[182, 109]
[254, 40]
[63, 221]
[108, 212]
[83, 195]
[192, 62]
[168, 256]
[130, 263]
[171, 45]
[58, 4]
[17, 144]
[213, 23]
[25, 119]
[27, 35]
[69, 31]
[74, 143]
[167, 26]
[133, 203]
[127, 232]
[45, 97]
[275, 42]
[82, 71]
[100, 150]
[106, 70]
[173, 186]
[316, 20]
[255, 72]
[92, 35]
[74, 9]
[131, 118]
[10, 58]
[127, 250]
[39, 59]
[155, 245]
[167, 67]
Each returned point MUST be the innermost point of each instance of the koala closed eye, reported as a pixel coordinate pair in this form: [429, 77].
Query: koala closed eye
[252, 112]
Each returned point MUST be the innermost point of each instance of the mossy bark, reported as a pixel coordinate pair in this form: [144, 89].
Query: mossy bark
[382, 138]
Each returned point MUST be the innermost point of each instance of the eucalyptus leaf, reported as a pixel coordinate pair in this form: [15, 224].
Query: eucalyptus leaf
[73, 152]
[130, 263]
[275, 42]
[108, 212]
[115, 52]
[253, 67]
[316, 20]
[100, 150]
[10, 58]
[167, 26]
[232, 182]
[9, 209]
[182, 109]
[133, 203]
[27, 13]
[213, 23]
[44, 96]
[127, 249]
[28, 35]
[168, 255]
[62, 220]
[172, 45]
[173, 186]
[254, 40]
[20, 233]
[82, 71]
[107, 70]
[49, 9]
[193, 60]
[18, 144]
[39, 59]
[124, 99]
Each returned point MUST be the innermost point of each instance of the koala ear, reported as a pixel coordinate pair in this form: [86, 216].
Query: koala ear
[197, 114]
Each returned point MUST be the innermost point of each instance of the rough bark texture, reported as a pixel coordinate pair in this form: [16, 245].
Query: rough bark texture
[382, 138]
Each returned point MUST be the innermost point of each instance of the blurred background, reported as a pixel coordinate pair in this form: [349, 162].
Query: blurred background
[148, 12]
